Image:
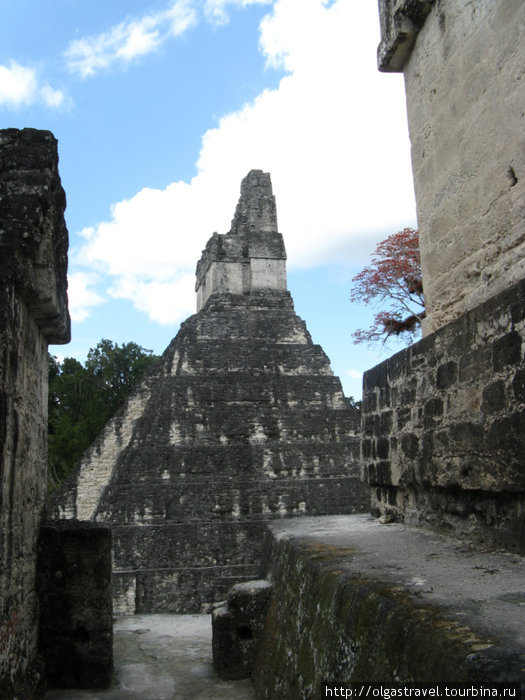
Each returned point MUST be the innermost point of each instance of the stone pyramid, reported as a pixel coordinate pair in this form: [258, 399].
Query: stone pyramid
[241, 421]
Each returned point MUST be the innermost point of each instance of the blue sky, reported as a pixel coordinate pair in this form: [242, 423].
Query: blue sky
[161, 107]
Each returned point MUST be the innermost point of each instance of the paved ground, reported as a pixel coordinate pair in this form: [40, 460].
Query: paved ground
[163, 657]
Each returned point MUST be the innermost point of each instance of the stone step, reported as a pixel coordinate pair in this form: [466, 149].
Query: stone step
[248, 356]
[176, 589]
[210, 501]
[246, 324]
[192, 392]
[234, 463]
[221, 426]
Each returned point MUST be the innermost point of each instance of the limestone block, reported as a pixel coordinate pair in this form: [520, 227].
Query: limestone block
[237, 627]
[401, 21]
[268, 274]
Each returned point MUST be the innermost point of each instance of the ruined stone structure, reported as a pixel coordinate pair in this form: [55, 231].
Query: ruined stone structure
[33, 313]
[240, 422]
[443, 420]
[463, 67]
[237, 626]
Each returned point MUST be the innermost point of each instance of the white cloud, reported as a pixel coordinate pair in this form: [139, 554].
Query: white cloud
[354, 373]
[19, 87]
[81, 298]
[164, 302]
[129, 39]
[52, 98]
[333, 136]
[155, 235]
[216, 10]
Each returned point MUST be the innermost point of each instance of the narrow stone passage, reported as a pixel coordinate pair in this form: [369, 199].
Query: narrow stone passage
[163, 657]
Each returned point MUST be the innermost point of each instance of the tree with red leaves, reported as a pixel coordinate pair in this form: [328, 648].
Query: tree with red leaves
[393, 276]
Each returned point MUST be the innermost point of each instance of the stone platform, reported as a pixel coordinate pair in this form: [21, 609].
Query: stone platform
[356, 600]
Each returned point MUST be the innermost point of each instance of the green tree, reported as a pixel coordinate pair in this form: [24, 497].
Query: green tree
[354, 403]
[83, 398]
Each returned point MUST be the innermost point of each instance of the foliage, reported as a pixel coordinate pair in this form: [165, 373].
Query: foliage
[83, 398]
[394, 276]
[354, 403]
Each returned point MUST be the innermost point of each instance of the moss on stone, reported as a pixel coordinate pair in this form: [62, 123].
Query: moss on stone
[328, 623]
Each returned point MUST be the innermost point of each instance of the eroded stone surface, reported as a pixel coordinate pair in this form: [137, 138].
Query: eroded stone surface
[76, 613]
[237, 626]
[401, 21]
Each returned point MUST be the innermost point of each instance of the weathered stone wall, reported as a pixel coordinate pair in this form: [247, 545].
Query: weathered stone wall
[76, 621]
[33, 313]
[464, 85]
[444, 426]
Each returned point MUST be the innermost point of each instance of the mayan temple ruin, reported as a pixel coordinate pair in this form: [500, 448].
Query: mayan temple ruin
[240, 422]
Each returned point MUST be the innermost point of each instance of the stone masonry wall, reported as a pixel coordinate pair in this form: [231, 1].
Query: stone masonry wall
[79, 496]
[463, 64]
[33, 312]
[444, 426]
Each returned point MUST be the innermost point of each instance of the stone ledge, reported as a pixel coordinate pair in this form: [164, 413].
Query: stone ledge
[359, 601]
[264, 300]
[401, 21]
[33, 233]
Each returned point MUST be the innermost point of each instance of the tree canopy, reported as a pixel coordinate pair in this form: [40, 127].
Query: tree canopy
[83, 397]
[393, 278]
